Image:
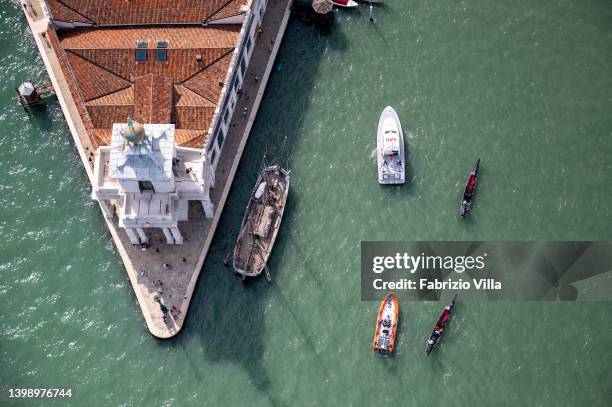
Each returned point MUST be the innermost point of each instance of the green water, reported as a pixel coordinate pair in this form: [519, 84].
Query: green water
[525, 86]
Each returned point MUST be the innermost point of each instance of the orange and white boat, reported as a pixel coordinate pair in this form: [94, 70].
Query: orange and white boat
[386, 324]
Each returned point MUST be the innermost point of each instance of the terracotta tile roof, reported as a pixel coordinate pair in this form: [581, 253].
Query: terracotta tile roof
[62, 12]
[190, 138]
[232, 8]
[94, 81]
[186, 97]
[114, 49]
[193, 117]
[141, 12]
[108, 84]
[209, 82]
[153, 99]
[102, 137]
[210, 37]
[181, 64]
[121, 97]
[105, 116]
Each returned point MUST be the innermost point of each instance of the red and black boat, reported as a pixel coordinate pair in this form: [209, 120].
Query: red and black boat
[468, 192]
[440, 325]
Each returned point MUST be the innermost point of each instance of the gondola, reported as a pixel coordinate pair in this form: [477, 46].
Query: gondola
[468, 192]
[436, 334]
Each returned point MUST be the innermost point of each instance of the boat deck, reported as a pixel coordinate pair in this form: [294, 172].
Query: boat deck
[263, 220]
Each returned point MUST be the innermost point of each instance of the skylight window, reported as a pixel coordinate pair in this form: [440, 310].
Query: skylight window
[141, 51]
[161, 53]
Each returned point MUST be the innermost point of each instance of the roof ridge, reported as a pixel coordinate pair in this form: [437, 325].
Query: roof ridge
[76, 11]
[72, 51]
[207, 66]
[105, 70]
[197, 135]
[96, 99]
[200, 95]
[197, 95]
[218, 10]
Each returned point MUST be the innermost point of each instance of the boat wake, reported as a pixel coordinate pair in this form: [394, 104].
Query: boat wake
[373, 156]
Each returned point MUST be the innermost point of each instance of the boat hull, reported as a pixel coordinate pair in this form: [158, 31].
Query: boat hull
[347, 4]
[468, 192]
[386, 325]
[390, 137]
[436, 333]
[248, 240]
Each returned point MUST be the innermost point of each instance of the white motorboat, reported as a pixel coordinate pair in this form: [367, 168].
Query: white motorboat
[390, 149]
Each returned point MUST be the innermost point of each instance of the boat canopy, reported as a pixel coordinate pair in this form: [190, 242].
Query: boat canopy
[391, 138]
[260, 190]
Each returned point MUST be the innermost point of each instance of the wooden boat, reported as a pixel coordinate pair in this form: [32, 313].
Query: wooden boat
[390, 148]
[386, 325]
[436, 334]
[468, 191]
[345, 3]
[261, 221]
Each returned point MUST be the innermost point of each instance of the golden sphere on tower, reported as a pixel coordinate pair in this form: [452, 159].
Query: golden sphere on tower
[134, 132]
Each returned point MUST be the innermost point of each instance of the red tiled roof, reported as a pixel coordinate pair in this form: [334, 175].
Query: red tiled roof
[141, 12]
[190, 138]
[180, 64]
[232, 8]
[102, 137]
[186, 97]
[121, 97]
[153, 99]
[105, 116]
[183, 90]
[193, 37]
[62, 12]
[193, 117]
[114, 48]
[209, 82]
[94, 81]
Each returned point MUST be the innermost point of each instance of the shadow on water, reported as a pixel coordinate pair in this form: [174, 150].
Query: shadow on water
[288, 241]
[40, 116]
[227, 315]
[304, 333]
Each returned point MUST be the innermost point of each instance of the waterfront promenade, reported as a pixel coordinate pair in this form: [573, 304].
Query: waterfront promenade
[176, 267]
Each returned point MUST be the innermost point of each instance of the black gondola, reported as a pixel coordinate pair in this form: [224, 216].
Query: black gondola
[468, 192]
[436, 334]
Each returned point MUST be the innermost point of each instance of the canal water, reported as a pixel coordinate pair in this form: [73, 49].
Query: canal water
[525, 86]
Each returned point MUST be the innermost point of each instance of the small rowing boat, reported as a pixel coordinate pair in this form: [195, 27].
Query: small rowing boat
[386, 325]
[390, 146]
[468, 192]
[261, 221]
[345, 3]
[440, 325]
